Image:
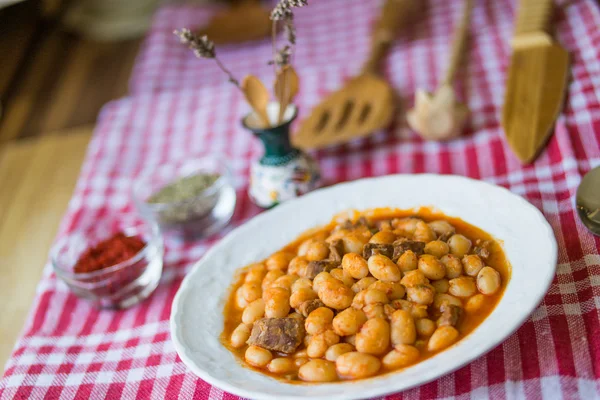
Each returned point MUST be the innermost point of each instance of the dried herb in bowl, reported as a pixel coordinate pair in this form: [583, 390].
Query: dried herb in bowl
[184, 189]
[186, 198]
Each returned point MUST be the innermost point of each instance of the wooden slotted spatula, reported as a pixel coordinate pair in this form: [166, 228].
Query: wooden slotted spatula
[364, 104]
[537, 81]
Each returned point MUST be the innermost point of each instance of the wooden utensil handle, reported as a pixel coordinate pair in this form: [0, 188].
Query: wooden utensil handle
[459, 43]
[533, 23]
[393, 14]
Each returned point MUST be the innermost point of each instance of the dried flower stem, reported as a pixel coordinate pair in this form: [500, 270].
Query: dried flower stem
[274, 44]
[231, 77]
[204, 48]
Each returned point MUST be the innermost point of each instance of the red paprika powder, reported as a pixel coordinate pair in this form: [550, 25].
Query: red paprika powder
[109, 252]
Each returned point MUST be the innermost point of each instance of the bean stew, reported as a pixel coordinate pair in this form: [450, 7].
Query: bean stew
[370, 293]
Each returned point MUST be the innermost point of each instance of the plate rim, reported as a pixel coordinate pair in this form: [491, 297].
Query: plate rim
[517, 323]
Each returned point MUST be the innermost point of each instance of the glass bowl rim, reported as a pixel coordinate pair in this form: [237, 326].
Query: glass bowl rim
[222, 180]
[154, 240]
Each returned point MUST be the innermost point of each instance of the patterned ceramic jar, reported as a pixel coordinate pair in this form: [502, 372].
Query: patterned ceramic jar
[283, 172]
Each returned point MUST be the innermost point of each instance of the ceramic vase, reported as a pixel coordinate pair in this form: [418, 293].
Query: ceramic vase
[283, 172]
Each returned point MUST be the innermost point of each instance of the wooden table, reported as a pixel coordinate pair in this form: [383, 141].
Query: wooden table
[37, 177]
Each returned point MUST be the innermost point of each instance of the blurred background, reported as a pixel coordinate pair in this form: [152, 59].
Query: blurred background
[61, 61]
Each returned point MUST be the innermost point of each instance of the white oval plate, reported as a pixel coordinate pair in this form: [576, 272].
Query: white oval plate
[529, 243]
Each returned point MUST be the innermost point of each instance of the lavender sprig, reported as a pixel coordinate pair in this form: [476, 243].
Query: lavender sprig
[282, 57]
[283, 11]
[204, 48]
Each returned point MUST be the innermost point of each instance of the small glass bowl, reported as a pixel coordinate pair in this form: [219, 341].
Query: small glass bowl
[196, 217]
[121, 285]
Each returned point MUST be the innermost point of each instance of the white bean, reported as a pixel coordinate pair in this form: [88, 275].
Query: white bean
[421, 294]
[355, 365]
[353, 243]
[407, 261]
[317, 250]
[437, 248]
[284, 281]
[240, 335]
[363, 283]
[373, 337]
[302, 295]
[374, 311]
[414, 278]
[441, 227]
[393, 290]
[298, 266]
[349, 321]
[335, 294]
[279, 260]
[318, 371]
[253, 312]
[281, 365]
[342, 276]
[453, 266]
[302, 283]
[256, 273]
[475, 303]
[257, 356]
[488, 281]
[270, 277]
[472, 264]
[277, 302]
[319, 344]
[441, 285]
[374, 296]
[441, 299]
[383, 268]
[425, 327]
[443, 337]
[431, 267]
[383, 237]
[320, 279]
[401, 356]
[403, 330]
[463, 286]
[423, 232]
[318, 321]
[337, 350]
[240, 301]
[459, 245]
[355, 265]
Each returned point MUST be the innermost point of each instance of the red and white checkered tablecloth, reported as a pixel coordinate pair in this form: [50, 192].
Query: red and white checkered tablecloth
[71, 350]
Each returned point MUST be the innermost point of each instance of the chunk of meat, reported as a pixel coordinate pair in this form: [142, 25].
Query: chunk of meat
[314, 268]
[370, 249]
[309, 306]
[450, 315]
[402, 245]
[277, 334]
[482, 249]
[336, 250]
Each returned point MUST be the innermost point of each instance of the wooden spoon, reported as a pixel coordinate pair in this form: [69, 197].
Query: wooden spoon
[286, 88]
[440, 116]
[367, 102]
[246, 20]
[257, 96]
